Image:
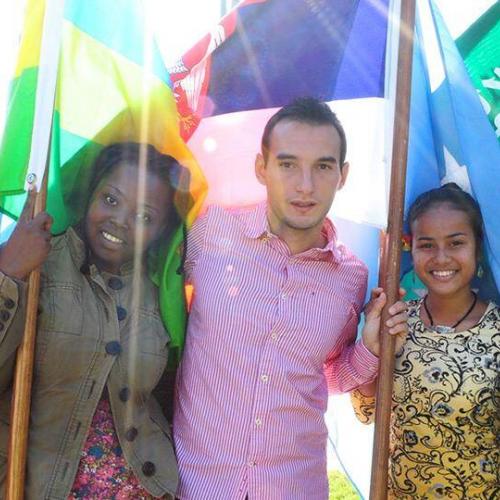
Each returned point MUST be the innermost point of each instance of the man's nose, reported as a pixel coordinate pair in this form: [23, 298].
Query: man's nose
[305, 181]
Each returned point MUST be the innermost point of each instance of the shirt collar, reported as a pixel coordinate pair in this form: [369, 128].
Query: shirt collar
[257, 227]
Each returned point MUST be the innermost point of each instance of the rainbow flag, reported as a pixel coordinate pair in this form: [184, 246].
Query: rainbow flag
[111, 86]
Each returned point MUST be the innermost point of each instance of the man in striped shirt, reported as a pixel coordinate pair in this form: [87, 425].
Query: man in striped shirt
[273, 324]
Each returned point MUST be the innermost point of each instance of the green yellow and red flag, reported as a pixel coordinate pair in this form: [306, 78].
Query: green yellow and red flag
[110, 85]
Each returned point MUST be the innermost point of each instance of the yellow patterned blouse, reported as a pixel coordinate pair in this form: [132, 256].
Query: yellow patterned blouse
[445, 434]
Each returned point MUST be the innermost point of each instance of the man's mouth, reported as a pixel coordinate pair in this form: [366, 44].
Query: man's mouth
[111, 238]
[303, 204]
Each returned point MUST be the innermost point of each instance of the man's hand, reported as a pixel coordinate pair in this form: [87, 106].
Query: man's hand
[397, 322]
[29, 244]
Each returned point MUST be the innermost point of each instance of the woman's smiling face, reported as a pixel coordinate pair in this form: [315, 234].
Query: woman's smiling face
[444, 250]
[116, 218]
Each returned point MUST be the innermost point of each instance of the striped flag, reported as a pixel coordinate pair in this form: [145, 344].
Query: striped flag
[111, 86]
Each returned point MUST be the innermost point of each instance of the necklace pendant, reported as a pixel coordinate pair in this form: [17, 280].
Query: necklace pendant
[442, 329]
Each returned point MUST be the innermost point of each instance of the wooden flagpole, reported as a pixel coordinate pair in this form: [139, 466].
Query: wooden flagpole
[37, 171]
[23, 375]
[392, 250]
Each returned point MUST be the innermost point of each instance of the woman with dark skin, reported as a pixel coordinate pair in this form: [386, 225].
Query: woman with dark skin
[96, 431]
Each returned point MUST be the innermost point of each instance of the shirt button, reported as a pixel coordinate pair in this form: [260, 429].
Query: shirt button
[115, 283]
[114, 348]
[284, 296]
[274, 336]
[9, 303]
[148, 468]
[121, 312]
[264, 378]
[251, 464]
[124, 394]
[258, 422]
[131, 433]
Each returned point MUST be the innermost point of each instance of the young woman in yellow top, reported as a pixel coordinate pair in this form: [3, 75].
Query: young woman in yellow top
[446, 382]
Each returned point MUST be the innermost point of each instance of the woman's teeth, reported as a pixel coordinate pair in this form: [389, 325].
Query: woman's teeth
[443, 274]
[111, 238]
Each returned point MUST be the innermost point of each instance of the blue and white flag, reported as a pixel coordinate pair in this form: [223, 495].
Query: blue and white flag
[451, 138]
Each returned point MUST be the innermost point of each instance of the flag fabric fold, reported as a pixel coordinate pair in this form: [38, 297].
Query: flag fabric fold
[266, 52]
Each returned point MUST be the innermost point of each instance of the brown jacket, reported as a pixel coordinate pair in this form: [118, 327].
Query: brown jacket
[90, 336]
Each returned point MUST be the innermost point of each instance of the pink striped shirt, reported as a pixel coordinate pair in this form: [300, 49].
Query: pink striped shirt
[269, 333]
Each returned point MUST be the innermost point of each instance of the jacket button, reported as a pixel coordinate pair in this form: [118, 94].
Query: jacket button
[4, 315]
[124, 394]
[148, 468]
[131, 433]
[114, 348]
[85, 269]
[115, 283]
[2, 326]
[9, 303]
[121, 312]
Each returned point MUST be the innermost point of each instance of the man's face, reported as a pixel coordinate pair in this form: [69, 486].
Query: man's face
[302, 174]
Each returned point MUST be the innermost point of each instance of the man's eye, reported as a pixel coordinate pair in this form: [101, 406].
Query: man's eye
[110, 199]
[457, 243]
[425, 246]
[325, 166]
[286, 164]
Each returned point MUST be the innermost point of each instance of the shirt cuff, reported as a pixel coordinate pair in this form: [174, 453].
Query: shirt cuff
[365, 363]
